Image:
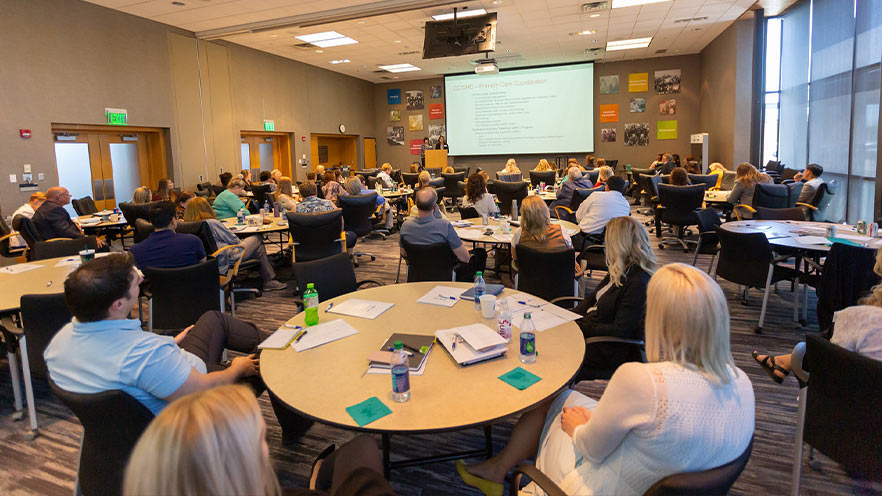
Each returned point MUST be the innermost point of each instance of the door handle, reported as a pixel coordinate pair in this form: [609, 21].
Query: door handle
[98, 189]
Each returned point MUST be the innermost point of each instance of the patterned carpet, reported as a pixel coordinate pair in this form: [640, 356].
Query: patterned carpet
[47, 465]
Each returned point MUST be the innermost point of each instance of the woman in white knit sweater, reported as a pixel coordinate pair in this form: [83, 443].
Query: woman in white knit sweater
[689, 409]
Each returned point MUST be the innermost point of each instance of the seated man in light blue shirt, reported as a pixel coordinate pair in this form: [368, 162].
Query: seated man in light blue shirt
[811, 179]
[102, 349]
[384, 177]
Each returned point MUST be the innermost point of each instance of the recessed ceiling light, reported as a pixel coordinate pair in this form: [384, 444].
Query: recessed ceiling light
[319, 51]
[628, 44]
[397, 41]
[327, 39]
[496, 2]
[341, 61]
[274, 36]
[394, 77]
[464, 13]
[617, 4]
[399, 68]
[178, 4]
[594, 15]
[588, 31]
[360, 22]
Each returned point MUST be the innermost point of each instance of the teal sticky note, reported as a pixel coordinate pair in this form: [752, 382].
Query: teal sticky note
[368, 410]
[519, 378]
[844, 241]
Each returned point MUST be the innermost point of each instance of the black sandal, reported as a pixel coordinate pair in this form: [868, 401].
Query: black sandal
[770, 367]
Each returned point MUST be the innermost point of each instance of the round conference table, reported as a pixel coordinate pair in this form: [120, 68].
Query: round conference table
[801, 235]
[278, 224]
[395, 194]
[40, 277]
[477, 232]
[321, 382]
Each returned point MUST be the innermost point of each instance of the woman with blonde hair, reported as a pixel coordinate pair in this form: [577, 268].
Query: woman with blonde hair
[285, 194]
[689, 399]
[604, 172]
[718, 170]
[543, 166]
[214, 442]
[857, 328]
[449, 170]
[141, 195]
[424, 179]
[511, 167]
[746, 179]
[537, 231]
[198, 209]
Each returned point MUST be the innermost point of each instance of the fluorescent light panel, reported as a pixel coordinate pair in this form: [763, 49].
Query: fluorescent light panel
[628, 44]
[341, 61]
[400, 68]
[327, 39]
[464, 13]
[617, 4]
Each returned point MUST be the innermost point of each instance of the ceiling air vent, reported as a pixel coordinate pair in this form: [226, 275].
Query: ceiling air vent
[304, 46]
[412, 52]
[690, 19]
[594, 6]
[663, 50]
[594, 53]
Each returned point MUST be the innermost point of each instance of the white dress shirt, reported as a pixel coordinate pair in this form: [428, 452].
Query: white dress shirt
[599, 208]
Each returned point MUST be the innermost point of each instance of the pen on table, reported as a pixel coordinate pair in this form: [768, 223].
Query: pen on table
[409, 353]
[48, 284]
[411, 348]
[329, 307]
[529, 304]
[300, 336]
[443, 297]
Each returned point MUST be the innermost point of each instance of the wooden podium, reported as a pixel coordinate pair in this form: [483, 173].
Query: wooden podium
[436, 158]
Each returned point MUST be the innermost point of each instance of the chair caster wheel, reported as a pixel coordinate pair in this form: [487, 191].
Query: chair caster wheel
[31, 434]
[758, 330]
[661, 246]
[685, 250]
[373, 259]
[16, 416]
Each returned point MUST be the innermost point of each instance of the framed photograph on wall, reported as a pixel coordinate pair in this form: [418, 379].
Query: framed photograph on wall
[415, 100]
[436, 91]
[609, 85]
[394, 115]
[637, 134]
[667, 107]
[436, 130]
[415, 122]
[608, 135]
[667, 82]
[395, 135]
[638, 105]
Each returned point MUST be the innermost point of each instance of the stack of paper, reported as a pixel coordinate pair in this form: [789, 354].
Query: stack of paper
[444, 296]
[320, 334]
[546, 317]
[280, 339]
[461, 223]
[469, 233]
[472, 343]
[355, 307]
[15, 269]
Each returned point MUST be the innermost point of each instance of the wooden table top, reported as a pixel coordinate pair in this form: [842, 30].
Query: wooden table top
[321, 382]
[786, 233]
[113, 220]
[279, 224]
[396, 194]
[495, 226]
[47, 278]
[716, 196]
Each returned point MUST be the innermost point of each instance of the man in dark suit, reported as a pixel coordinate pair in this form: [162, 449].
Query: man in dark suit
[666, 166]
[51, 220]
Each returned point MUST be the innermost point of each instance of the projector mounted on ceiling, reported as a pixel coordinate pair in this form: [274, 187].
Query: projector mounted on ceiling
[486, 66]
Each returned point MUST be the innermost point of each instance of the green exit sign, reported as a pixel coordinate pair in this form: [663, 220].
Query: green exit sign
[116, 117]
[269, 125]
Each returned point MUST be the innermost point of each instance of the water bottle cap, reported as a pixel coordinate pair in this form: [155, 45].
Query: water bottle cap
[398, 345]
[310, 285]
[479, 273]
[527, 315]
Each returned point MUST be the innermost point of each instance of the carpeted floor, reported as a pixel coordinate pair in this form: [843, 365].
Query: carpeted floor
[47, 465]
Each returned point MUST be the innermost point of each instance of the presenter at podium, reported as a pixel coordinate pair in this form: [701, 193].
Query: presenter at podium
[442, 144]
[425, 146]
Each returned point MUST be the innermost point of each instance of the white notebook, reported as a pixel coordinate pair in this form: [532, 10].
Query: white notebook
[320, 334]
[365, 309]
[546, 317]
[444, 296]
[462, 352]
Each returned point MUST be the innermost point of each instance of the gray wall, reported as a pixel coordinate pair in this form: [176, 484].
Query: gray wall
[726, 75]
[72, 59]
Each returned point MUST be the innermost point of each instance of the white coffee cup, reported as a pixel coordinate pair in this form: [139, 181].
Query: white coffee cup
[488, 305]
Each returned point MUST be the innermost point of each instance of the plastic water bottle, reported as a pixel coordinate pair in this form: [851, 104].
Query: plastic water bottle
[514, 210]
[503, 319]
[266, 208]
[240, 217]
[310, 302]
[528, 340]
[480, 289]
[400, 374]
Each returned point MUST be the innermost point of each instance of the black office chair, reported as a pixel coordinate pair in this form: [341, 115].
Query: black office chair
[763, 213]
[204, 189]
[509, 177]
[370, 182]
[468, 213]
[728, 181]
[434, 171]
[178, 297]
[63, 247]
[410, 179]
[508, 191]
[547, 274]
[650, 185]
[665, 178]
[143, 229]
[709, 180]
[579, 196]
[200, 229]
[793, 192]
[360, 213]
[747, 260]
[539, 177]
[112, 423]
[333, 276]
[435, 262]
[42, 316]
[437, 183]
[713, 482]
[84, 206]
[817, 206]
[26, 228]
[318, 235]
[134, 211]
[6, 235]
[217, 189]
[462, 169]
[677, 206]
[261, 193]
[592, 175]
[454, 186]
[639, 192]
[839, 405]
[708, 242]
[847, 276]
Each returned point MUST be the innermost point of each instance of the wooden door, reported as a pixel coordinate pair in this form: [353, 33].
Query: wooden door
[370, 153]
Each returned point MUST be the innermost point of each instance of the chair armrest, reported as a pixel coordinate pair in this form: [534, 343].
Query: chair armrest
[6, 236]
[781, 258]
[613, 339]
[737, 209]
[561, 207]
[801, 204]
[58, 239]
[369, 281]
[796, 363]
[566, 299]
[234, 271]
[536, 475]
